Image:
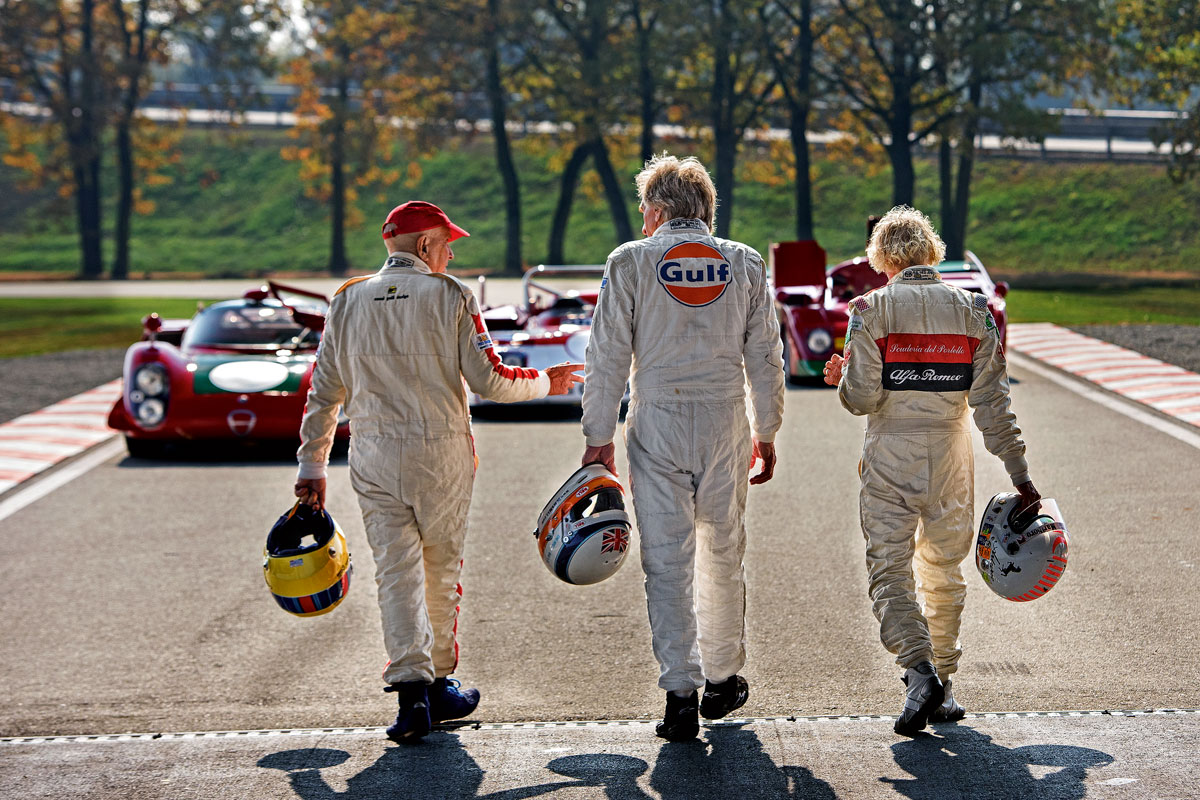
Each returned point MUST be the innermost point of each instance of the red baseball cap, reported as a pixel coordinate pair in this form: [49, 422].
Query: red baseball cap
[417, 215]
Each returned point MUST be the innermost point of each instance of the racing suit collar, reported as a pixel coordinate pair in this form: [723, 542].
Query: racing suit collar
[916, 273]
[400, 260]
[682, 225]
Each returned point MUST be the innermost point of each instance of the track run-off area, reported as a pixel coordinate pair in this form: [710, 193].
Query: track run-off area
[143, 656]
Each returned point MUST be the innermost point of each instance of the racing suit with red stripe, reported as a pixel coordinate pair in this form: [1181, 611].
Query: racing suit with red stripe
[919, 352]
[693, 316]
[394, 353]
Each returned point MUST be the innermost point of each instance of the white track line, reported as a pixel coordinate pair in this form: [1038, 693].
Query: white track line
[518, 726]
[89, 461]
[1105, 399]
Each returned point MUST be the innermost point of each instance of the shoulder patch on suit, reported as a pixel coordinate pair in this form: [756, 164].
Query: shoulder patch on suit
[464, 291]
[351, 282]
[980, 301]
[860, 304]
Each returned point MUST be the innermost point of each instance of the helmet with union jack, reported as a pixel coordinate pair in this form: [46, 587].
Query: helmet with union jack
[1021, 557]
[583, 532]
[306, 563]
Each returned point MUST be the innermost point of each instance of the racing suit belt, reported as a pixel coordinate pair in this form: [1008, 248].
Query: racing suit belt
[687, 394]
[411, 428]
[877, 423]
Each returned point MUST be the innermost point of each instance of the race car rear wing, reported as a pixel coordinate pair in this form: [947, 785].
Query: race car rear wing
[798, 272]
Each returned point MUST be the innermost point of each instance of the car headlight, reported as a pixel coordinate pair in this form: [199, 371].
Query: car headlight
[151, 380]
[818, 341]
[151, 412]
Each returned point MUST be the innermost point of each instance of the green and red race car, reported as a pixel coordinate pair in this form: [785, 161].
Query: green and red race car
[238, 370]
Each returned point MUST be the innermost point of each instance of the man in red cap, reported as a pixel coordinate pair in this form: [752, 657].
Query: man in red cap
[395, 350]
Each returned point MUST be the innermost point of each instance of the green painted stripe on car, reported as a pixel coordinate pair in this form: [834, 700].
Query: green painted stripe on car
[202, 384]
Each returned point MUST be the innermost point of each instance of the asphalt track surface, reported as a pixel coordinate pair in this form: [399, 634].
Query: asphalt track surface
[134, 603]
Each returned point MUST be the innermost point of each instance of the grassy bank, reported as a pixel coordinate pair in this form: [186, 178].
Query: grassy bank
[237, 209]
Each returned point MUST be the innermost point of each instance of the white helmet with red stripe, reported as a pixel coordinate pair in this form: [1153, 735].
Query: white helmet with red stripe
[1019, 558]
[583, 532]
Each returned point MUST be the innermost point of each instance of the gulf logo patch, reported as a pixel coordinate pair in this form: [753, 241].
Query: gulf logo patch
[694, 273]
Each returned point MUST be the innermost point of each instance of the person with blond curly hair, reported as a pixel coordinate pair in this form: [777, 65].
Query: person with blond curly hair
[688, 320]
[919, 353]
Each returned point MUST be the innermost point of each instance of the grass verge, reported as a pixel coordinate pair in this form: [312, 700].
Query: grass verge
[1106, 306]
[48, 325]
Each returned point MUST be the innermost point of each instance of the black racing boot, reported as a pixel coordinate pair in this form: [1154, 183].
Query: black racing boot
[448, 700]
[681, 722]
[412, 720]
[950, 710]
[925, 693]
[721, 698]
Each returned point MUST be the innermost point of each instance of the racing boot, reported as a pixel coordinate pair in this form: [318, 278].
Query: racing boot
[448, 700]
[950, 710]
[721, 698]
[681, 722]
[412, 720]
[925, 693]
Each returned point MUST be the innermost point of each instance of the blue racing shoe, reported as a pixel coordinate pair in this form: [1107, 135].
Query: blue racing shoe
[412, 720]
[448, 700]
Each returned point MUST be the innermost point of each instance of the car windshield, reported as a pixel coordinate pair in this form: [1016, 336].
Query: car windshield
[246, 326]
[956, 266]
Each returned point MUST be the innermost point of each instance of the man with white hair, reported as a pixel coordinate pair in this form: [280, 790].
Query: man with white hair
[693, 316]
[918, 353]
[395, 350]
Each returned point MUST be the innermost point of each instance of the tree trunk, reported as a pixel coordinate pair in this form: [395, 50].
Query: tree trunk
[903, 178]
[85, 144]
[612, 190]
[337, 183]
[646, 91]
[945, 190]
[724, 138]
[513, 263]
[966, 163]
[566, 196]
[87, 211]
[133, 64]
[120, 265]
[800, 152]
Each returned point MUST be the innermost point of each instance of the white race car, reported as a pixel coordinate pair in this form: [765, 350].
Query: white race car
[551, 324]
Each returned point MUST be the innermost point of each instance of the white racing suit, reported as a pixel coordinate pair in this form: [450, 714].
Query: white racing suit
[918, 353]
[693, 316]
[395, 350]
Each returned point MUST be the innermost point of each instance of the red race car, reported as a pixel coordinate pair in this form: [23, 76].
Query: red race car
[812, 302]
[238, 370]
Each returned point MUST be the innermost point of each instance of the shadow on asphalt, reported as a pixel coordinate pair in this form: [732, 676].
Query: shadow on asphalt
[729, 759]
[224, 454]
[807, 384]
[962, 761]
[729, 762]
[520, 412]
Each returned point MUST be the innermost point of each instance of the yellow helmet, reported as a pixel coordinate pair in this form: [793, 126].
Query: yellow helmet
[306, 563]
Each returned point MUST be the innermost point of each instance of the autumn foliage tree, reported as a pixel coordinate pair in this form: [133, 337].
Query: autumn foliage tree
[374, 88]
[52, 51]
[1158, 59]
